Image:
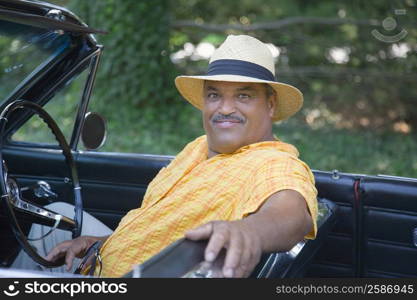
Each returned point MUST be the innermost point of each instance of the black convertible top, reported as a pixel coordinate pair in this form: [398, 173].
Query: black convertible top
[35, 13]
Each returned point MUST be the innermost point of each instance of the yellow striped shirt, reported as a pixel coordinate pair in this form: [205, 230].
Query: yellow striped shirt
[193, 190]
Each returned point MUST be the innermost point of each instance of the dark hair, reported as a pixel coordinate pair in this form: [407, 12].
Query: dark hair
[269, 91]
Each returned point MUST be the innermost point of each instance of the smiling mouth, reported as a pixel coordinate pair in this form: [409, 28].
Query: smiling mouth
[226, 123]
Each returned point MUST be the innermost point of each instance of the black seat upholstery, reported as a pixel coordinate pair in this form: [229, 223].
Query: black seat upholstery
[294, 263]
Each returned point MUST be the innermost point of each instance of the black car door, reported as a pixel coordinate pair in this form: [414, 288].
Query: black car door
[375, 232]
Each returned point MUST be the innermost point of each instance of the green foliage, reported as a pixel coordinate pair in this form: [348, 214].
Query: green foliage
[135, 82]
[62, 107]
[366, 152]
[135, 69]
[350, 107]
[373, 73]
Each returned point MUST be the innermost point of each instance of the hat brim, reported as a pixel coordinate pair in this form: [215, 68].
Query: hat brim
[289, 98]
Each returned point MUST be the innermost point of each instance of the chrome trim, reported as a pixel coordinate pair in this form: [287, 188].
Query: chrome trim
[43, 190]
[397, 177]
[296, 249]
[29, 207]
[55, 14]
[26, 206]
[415, 237]
[85, 99]
[22, 273]
[57, 221]
[137, 271]
[276, 260]
[105, 130]
[263, 270]
[205, 269]
[13, 193]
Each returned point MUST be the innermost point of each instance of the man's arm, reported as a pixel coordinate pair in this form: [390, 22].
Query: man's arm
[73, 248]
[281, 222]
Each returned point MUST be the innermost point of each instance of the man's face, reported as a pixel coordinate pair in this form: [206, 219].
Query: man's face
[236, 114]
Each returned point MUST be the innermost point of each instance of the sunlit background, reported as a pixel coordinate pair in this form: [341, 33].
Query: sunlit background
[355, 62]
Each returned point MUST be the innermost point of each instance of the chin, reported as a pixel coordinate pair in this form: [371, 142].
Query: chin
[225, 150]
[225, 145]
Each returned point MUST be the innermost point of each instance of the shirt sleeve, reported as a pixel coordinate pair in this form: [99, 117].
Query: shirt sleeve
[282, 174]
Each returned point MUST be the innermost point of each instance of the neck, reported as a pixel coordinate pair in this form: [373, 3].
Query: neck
[269, 137]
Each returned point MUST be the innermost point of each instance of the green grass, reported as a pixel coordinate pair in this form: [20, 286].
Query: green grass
[353, 151]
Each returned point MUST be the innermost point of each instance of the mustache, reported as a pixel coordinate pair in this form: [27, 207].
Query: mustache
[223, 118]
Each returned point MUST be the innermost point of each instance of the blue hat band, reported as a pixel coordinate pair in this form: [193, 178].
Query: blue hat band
[239, 67]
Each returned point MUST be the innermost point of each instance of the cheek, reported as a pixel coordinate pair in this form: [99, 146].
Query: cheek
[208, 110]
[206, 116]
[257, 118]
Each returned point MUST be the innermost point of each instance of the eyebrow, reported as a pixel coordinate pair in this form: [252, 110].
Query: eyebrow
[211, 88]
[245, 88]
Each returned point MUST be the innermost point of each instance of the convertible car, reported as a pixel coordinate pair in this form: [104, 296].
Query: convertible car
[367, 224]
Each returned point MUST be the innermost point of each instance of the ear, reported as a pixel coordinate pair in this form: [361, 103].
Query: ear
[272, 102]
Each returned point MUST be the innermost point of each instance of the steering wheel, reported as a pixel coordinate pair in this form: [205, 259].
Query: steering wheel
[11, 194]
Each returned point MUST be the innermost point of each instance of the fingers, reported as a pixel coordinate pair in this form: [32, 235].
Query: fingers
[77, 249]
[241, 270]
[70, 249]
[200, 233]
[217, 234]
[243, 246]
[69, 258]
[219, 238]
[61, 250]
[235, 253]
[58, 251]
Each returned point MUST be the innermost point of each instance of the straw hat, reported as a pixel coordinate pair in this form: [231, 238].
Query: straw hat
[242, 58]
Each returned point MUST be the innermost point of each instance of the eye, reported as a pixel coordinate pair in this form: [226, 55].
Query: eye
[212, 96]
[243, 97]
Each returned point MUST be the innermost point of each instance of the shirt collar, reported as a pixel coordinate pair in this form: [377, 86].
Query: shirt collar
[277, 145]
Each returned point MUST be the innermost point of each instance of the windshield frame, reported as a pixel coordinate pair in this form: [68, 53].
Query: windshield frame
[88, 64]
[36, 74]
[42, 85]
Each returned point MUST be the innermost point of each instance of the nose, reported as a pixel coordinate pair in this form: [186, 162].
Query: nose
[227, 106]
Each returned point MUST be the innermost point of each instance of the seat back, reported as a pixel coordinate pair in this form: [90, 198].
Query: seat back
[294, 263]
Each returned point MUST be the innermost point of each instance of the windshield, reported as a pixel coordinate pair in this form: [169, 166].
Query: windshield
[24, 50]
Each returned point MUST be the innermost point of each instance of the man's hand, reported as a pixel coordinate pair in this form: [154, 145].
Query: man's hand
[243, 246]
[72, 248]
[281, 222]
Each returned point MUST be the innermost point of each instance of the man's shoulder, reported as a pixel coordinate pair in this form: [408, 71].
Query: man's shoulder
[277, 154]
[274, 149]
[197, 147]
[194, 152]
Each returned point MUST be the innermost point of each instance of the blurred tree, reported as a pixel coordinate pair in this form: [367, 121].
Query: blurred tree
[135, 82]
[135, 69]
[333, 50]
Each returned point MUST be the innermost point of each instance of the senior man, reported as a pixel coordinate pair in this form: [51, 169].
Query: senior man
[237, 186]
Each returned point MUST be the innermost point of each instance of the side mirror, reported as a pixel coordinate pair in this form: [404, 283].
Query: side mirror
[93, 134]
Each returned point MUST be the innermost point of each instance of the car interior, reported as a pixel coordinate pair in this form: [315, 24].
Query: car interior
[367, 224]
